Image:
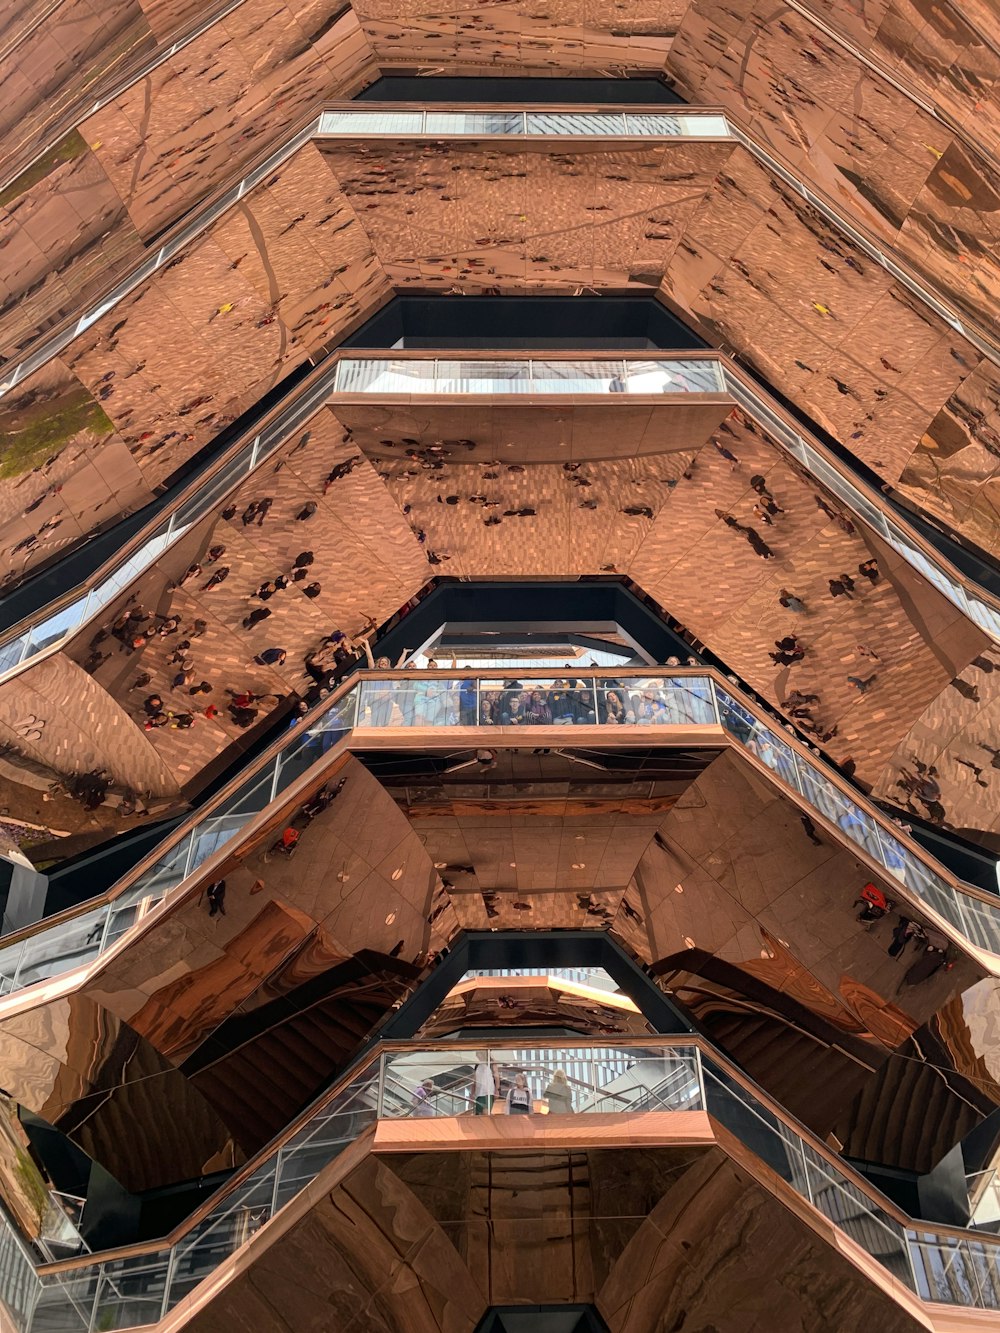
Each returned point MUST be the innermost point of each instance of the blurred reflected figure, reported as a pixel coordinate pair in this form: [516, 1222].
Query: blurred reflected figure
[559, 1095]
[423, 1108]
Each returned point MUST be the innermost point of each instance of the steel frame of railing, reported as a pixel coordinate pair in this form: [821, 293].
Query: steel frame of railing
[713, 1085]
[32, 640]
[970, 916]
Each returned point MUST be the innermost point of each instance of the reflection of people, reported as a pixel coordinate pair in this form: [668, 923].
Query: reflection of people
[933, 957]
[287, 843]
[421, 1100]
[484, 1084]
[559, 1094]
[874, 904]
[216, 895]
[519, 1097]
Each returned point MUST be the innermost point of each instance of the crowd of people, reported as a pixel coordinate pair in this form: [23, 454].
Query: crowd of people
[491, 1086]
[566, 701]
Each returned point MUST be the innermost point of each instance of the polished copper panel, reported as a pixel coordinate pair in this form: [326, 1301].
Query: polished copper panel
[532, 429]
[514, 37]
[524, 214]
[329, 234]
[306, 255]
[80, 215]
[725, 879]
[411, 478]
[497, 1002]
[66, 470]
[75, 1065]
[911, 181]
[429, 1239]
[51, 56]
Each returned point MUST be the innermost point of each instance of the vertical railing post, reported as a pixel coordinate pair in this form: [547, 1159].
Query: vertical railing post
[380, 1088]
[715, 701]
[15, 980]
[102, 943]
[699, 1071]
[277, 1180]
[168, 1280]
[189, 854]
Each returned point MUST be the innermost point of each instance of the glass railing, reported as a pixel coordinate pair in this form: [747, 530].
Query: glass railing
[500, 123]
[498, 376]
[422, 699]
[863, 504]
[494, 376]
[434, 1081]
[73, 941]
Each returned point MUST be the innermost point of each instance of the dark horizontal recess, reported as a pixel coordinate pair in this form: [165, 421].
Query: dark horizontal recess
[609, 323]
[582, 92]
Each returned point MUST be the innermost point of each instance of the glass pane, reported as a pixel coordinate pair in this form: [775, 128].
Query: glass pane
[65, 1302]
[942, 1271]
[537, 1080]
[12, 652]
[131, 1291]
[371, 122]
[56, 626]
[61, 947]
[981, 923]
[662, 701]
[771, 750]
[575, 376]
[19, 1284]
[582, 122]
[474, 122]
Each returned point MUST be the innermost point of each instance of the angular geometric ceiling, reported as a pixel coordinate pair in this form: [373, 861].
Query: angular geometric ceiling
[713, 886]
[326, 237]
[839, 239]
[387, 525]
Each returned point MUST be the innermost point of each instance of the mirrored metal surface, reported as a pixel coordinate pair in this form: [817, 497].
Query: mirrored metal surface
[444, 1082]
[262, 322]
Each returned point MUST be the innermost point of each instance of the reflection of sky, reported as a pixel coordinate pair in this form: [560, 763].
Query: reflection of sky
[981, 1008]
[581, 976]
[558, 660]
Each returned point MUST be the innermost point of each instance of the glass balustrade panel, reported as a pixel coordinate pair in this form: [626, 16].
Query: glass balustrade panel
[66, 945]
[447, 123]
[546, 1080]
[131, 1291]
[65, 1302]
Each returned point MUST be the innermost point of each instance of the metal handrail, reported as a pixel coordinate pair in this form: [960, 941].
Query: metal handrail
[258, 444]
[839, 1175]
[716, 709]
[53, 343]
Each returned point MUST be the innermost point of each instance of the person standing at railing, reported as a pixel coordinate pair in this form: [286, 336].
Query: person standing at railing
[467, 690]
[559, 1095]
[519, 1096]
[423, 1108]
[380, 699]
[484, 1084]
